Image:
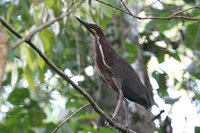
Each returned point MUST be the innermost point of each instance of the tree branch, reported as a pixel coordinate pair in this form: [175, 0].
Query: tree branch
[68, 118]
[181, 11]
[173, 16]
[65, 77]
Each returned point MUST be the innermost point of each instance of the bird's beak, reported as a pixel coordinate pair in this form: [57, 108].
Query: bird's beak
[87, 25]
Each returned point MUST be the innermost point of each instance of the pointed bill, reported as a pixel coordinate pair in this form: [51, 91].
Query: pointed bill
[87, 25]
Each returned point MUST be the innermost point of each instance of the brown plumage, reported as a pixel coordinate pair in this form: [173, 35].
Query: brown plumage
[115, 72]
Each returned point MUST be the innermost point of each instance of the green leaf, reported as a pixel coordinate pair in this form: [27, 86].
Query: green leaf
[87, 116]
[192, 34]
[23, 118]
[161, 25]
[197, 96]
[90, 2]
[107, 11]
[50, 3]
[17, 96]
[29, 76]
[161, 79]
[197, 129]
[10, 11]
[132, 49]
[36, 115]
[31, 56]
[48, 40]
[41, 74]
[175, 56]
[86, 128]
[41, 62]
[57, 6]
[189, 1]
[50, 127]
[14, 121]
[107, 130]
[160, 57]
[3, 129]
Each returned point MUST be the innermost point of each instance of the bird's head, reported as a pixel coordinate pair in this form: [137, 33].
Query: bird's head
[94, 29]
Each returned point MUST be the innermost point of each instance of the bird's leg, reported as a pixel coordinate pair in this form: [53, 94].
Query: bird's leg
[121, 99]
[119, 87]
[118, 104]
[125, 103]
[117, 107]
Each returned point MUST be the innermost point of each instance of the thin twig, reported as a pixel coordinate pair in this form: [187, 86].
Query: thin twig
[125, 7]
[117, 8]
[165, 6]
[181, 11]
[173, 16]
[65, 77]
[68, 118]
[196, 38]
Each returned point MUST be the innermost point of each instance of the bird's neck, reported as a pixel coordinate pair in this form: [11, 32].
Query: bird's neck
[103, 52]
[101, 43]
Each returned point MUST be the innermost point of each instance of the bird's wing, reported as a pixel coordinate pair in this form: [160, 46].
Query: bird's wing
[132, 86]
[108, 80]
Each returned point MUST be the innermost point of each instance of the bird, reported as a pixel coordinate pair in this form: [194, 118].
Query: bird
[115, 72]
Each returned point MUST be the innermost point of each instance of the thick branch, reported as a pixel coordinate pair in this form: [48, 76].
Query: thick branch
[78, 88]
[173, 16]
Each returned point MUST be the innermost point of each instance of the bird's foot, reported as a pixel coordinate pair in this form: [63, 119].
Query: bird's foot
[114, 118]
[107, 124]
[127, 124]
[127, 127]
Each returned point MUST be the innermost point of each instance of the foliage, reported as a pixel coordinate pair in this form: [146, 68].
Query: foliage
[35, 99]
